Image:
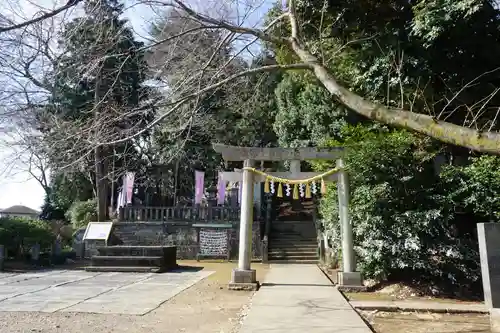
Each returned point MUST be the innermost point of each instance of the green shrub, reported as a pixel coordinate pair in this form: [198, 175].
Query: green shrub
[475, 188]
[17, 233]
[404, 213]
[82, 212]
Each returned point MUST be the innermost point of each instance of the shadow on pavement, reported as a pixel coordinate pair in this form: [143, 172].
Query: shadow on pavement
[182, 269]
[265, 284]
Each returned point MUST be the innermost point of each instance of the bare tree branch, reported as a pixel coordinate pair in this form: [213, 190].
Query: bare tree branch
[214, 86]
[71, 3]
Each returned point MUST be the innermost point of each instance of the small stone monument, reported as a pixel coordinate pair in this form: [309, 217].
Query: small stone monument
[78, 243]
[57, 247]
[489, 251]
[35, 253]
[57, 251]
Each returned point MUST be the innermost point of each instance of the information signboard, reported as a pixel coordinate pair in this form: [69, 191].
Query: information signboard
[98, 231]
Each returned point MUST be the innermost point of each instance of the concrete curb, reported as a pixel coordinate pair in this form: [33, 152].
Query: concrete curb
[443, 308]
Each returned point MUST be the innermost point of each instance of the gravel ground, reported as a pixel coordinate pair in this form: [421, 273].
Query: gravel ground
[205, 307]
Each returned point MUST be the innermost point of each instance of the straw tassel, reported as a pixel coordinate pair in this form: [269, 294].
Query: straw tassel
[280, 190]
[308, 191]
[266, 186]
[296, 191]
[323, 186]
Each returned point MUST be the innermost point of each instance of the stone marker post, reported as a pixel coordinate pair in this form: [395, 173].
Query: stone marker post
[489, 251]
[348, 276]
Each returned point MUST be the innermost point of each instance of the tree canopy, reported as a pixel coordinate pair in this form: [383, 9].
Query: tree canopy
[155, 107]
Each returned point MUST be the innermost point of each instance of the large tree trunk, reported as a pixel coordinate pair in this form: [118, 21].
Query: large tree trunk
[101, 184]
[100, 159]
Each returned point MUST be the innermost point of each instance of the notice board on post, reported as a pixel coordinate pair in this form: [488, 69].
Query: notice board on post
[98, 231]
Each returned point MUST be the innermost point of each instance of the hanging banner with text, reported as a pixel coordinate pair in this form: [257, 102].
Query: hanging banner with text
[199, 180]
[129, 183]
[221, 190]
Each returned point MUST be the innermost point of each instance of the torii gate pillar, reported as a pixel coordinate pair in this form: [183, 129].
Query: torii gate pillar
[246, 221]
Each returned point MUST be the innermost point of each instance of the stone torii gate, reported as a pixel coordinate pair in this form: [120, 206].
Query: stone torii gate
[244, 277]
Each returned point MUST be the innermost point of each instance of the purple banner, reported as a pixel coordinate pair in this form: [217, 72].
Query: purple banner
[129, 186]
[199, 182]
[122, 196]
[221, 190]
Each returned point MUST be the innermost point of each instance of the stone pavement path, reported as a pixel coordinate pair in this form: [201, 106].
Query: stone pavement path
[79, 291]
[299, 298]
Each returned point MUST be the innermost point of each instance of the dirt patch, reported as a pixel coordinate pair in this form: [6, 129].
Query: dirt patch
[399, 292]
[385, 322]
[394, 292]
[205, 307]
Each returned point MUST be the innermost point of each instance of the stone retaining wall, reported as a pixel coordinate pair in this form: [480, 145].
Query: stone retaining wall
[183, 235]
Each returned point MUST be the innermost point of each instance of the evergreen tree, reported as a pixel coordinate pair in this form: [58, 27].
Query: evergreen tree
[98, 90]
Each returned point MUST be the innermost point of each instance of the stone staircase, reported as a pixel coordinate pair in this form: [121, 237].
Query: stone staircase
[293, 242]
[138, 259]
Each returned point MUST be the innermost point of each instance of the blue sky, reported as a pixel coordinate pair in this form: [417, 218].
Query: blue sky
[17, 187]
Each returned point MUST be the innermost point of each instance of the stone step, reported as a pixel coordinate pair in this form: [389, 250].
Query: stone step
[293, 255]
[293, 251]
[304, 235]
[136, 250]
[293, 261]
[125, 269]
[299, 231]
[293, 222]
[311, 258]
[291, 247]
[292, 231]
[131, 261]
[293, 241]
[293, 225]
[284, 245]
[294, 236]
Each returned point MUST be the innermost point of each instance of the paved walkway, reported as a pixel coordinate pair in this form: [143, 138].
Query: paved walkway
[299, 298]
[422, 306]
[78, 291]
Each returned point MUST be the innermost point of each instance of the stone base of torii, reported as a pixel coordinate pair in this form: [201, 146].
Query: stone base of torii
[244, 278]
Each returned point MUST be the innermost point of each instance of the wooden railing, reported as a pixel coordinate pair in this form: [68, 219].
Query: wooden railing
[216, 214]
